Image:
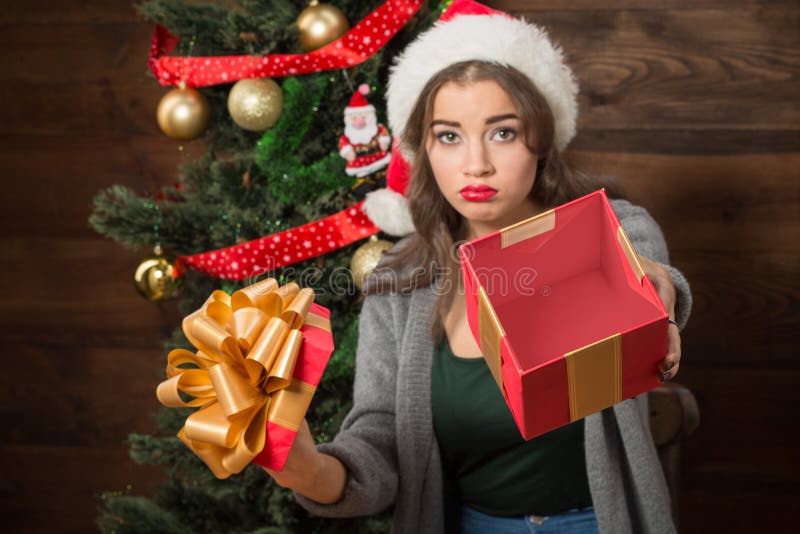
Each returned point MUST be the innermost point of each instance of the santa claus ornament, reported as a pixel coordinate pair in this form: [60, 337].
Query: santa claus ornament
[364, 144]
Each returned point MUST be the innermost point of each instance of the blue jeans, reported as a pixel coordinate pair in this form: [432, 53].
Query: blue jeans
[574, 521]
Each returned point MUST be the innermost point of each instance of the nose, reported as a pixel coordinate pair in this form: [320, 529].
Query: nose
[478, 163]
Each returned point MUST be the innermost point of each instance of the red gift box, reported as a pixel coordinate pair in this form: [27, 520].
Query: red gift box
[566, 318]
[314, 355]
[260, 354]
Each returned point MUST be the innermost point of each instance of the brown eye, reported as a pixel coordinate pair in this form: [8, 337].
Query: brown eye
[505, 134]
[447, 137]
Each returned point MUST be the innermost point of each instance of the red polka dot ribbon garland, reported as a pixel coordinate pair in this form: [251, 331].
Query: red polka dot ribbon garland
[246, 260]
[356, 46]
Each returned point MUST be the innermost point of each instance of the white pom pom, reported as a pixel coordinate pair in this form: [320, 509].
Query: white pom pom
[388, 209]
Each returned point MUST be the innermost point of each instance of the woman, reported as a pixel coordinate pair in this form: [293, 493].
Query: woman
[484, 135]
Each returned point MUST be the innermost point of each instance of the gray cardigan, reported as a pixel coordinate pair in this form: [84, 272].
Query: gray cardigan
[387, 441]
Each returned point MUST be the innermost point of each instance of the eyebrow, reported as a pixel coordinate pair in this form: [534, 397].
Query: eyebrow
[490, 120]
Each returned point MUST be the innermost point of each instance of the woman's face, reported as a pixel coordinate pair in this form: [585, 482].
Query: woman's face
[479, 158]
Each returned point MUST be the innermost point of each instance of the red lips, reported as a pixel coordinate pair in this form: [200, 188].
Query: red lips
[478, 193]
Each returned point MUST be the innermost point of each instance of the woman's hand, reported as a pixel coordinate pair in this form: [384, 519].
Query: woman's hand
[666, 291]
[301, 464]
[318, 476]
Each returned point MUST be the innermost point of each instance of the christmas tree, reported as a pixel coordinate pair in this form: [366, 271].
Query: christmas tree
[252, 181]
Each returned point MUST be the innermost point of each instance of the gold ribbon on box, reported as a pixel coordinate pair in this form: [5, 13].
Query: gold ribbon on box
[594, 376]
[247, 344]
[594, 372]
[630, 253]
[491, 334]
[538, 224]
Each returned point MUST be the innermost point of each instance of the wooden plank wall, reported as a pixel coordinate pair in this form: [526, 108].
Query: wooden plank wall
[84, 349]
[692, 104]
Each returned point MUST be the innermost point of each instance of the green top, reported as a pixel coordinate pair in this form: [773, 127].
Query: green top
[493, 469]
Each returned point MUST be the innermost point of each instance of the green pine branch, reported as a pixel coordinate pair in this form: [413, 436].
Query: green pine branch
[127, 514]
[277, 155]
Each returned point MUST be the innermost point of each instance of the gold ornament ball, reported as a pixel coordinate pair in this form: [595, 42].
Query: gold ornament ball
[255, 104]
[366, 257]
[183, 114]
[319, 24]
[154, 279]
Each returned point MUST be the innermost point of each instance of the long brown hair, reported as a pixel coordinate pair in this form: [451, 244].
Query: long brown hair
[430, 255]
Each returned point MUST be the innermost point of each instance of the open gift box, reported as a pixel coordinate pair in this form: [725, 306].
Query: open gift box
[566, 318]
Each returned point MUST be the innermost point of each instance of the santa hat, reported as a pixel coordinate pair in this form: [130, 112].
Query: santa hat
[358, 102]
[467, 30]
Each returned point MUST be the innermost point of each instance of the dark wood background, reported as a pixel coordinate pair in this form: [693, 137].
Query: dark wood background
[693, 104]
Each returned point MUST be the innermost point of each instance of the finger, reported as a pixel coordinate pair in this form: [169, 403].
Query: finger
[670, 362]
[662, 281]
[674, 371]
[666, 292]
[669, 366]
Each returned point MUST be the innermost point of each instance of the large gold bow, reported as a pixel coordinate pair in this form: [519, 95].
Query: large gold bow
[247, 345]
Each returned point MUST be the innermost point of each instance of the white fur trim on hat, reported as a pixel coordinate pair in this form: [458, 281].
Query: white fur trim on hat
[389, 211]
[496, 38]
[369, 108]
